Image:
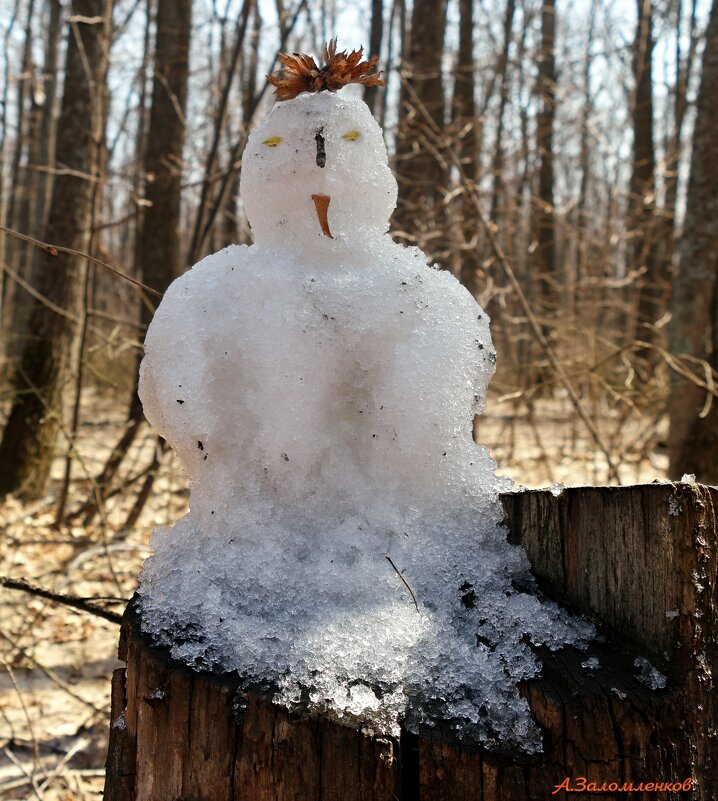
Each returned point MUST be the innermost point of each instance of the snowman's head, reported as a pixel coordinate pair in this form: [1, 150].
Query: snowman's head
[315, 175]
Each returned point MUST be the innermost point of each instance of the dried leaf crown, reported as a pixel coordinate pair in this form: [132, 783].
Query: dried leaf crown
[301, 73]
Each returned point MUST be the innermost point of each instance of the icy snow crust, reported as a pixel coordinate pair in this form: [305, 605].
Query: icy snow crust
[320, 394]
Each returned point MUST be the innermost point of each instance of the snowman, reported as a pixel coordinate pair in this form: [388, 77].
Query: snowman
[319, 388]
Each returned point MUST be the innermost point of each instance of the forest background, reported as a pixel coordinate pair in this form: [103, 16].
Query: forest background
[559, 158]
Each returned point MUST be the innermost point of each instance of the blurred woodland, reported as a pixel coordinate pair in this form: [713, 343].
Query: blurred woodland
[559, 158]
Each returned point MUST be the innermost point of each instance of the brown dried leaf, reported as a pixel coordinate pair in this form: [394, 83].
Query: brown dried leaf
[301, 73]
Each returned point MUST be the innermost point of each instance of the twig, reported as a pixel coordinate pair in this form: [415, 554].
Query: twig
[226, 179]
[240, 31]
[406, 584]
[30, 776]
[13, 782]
[81, 462]
[80, 745]
[28, 719]
[53, 250]
[50, 673]
[67, 600]
[146, 488]
[101, 486]
[23, 284]
[88, 274]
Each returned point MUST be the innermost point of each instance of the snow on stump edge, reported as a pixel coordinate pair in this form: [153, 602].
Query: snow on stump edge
[641, 561]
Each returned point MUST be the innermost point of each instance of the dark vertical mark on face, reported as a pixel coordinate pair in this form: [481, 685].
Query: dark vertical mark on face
[321, 152]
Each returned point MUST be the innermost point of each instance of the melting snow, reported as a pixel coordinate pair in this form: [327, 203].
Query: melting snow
[344, 541]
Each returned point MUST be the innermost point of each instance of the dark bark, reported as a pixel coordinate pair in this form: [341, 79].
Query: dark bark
[18, 170]
[4, 104]
[693, 440]
[158, 256]
[139, 173]
[177, 733]
[160, 241]
[48, 126]
[234, 227]
[544, 220]
[19, 187]
[32, 196]
[582, 220]
[372, 94]
[159, 245]
[502, 70]
[466, 127]
[684, 70]
[421, 171]
[642, 220]
[30, 435]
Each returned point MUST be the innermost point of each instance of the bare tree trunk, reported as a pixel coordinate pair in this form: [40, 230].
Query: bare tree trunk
[158, 253]
[31, 198]
[4, 200]
[19, 184]
[642, 205]
[421, 174]
[584, 149]
[234, 227]
[693, 439]
[397, 13]
[585, 269]
[30, 435]
[544, 223]
[517, 341]
[545, 214]
[497, 166]
[684, 70]
[159, 249]
[18, 174]
[139, 177]
[372, 94]
[466, 127]
[48, 126]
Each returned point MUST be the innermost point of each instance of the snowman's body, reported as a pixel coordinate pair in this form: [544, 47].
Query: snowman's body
[319, 388]
[332, 375]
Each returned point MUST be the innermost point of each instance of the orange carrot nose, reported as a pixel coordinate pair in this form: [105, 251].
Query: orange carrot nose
[321, 204]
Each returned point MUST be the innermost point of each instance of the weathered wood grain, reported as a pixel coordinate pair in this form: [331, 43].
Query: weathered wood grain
[626, 557]
[633, 556]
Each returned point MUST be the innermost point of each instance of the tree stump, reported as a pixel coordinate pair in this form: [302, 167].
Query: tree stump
[640, 561]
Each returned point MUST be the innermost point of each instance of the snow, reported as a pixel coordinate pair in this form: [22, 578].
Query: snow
[344, 541]
[649, 675]
[675, 507]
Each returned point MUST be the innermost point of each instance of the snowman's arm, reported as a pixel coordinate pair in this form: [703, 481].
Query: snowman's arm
[172, 381]
[165, 346]
[476, 353]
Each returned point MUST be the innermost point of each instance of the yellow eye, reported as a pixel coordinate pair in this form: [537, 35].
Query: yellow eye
[351, 136]
[273, 141]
